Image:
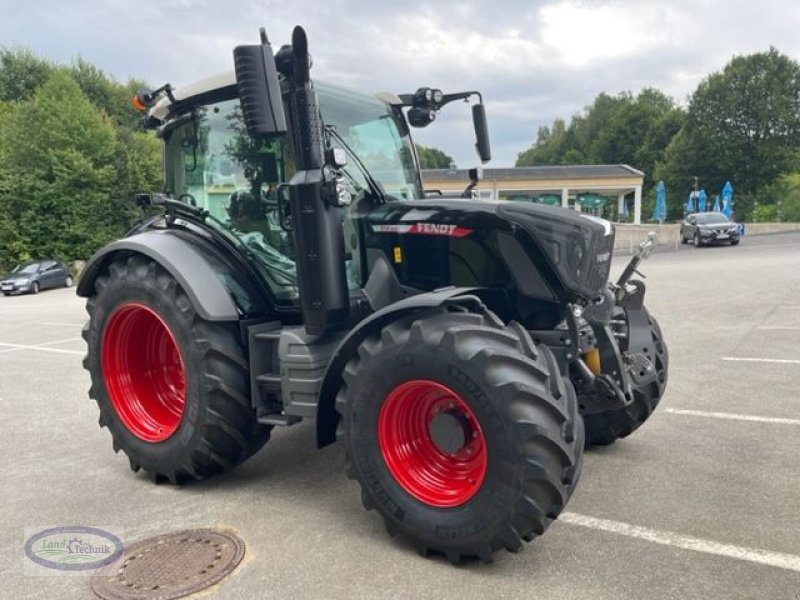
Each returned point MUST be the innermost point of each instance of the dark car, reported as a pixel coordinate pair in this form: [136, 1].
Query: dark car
[34, 276]
[709, 228]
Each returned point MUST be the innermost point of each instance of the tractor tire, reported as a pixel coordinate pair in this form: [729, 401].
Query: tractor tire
[172, 388]
[605, 428]
[461, 432]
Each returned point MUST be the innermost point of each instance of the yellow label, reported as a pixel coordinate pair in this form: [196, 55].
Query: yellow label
[398, 255]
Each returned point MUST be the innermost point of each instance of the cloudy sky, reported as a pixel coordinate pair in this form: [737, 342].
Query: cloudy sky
[534, 60]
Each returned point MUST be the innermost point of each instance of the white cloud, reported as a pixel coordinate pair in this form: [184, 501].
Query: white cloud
[534, 60]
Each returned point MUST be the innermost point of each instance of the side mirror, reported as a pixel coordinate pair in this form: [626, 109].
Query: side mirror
[481, 132]
[259, 89]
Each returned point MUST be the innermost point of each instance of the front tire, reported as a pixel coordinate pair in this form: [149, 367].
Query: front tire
[34, 287]
[172, 388]
[696, 241]
[514, 451]
[605, 428]
[68, 281]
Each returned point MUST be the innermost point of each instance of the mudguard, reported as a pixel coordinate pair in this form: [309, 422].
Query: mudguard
[327, 418]
[188, 263]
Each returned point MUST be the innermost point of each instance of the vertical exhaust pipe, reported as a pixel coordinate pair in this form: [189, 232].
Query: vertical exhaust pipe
[318, 234]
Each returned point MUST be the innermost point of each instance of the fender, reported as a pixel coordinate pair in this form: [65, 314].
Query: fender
[327, 417]
[191, 263]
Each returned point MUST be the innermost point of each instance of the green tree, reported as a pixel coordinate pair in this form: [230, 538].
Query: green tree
[57, 172]
[743, 125]
[21, 73]
[433, 158]
[107, 94]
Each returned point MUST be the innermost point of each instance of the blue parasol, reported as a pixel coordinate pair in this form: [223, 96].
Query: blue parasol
[701, 201]
[660, 208]
[727, 199]
[690, 203]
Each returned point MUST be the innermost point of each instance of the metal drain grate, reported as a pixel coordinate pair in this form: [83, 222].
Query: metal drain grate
[170, 566]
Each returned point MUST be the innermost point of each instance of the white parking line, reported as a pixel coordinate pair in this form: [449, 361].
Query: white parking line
[732, 416]
[43, 347]
[780, 361]
[686, 542]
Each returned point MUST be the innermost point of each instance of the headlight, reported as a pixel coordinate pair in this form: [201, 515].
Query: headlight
[23, 281]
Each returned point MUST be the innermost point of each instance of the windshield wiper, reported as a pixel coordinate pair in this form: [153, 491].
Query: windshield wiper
[374, 186]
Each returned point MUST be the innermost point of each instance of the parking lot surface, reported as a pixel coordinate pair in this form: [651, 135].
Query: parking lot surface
[702, 502]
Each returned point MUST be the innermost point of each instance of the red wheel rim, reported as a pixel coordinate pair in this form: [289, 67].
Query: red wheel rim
[423, 469]
[143, 372]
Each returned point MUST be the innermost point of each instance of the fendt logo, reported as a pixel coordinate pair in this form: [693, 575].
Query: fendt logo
[424, 229]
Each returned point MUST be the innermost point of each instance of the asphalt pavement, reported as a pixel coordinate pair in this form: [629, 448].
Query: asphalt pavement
[702, 502]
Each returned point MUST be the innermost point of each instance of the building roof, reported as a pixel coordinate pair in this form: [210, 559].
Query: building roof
[534, 173]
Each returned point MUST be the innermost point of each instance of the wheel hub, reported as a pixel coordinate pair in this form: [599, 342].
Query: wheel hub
[143, 372]
[432, 443]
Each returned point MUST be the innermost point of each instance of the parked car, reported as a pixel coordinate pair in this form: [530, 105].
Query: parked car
[36, 275]
[709, 228]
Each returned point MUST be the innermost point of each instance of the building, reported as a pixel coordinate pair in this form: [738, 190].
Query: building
[569, 182]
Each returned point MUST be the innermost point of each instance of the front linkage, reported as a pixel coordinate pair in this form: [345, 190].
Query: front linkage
[618, 358]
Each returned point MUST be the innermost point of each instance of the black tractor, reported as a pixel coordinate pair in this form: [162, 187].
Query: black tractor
[292, 268]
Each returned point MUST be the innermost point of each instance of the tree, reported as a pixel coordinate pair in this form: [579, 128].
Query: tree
[433, 158]
[743, 125]
[57, 173]
[21, 73]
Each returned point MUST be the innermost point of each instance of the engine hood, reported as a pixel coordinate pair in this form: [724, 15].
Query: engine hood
[574, 248]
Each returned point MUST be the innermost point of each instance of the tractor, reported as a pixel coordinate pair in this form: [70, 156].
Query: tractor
[464, 352]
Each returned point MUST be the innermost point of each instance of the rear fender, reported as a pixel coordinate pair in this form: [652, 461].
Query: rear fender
[327, 417]
[190, 264]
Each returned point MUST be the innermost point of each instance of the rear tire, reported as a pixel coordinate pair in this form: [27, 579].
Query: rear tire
[521, 416]
[68, 281]
[187, 415]
[603, 429]
[684, 240]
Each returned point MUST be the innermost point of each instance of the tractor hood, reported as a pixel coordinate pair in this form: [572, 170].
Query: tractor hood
[574, 249]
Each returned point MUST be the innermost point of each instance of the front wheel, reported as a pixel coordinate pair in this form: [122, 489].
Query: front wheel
[460, 433]
[735, 242]
[172, 388]
[603, 429]
[696, 241]
[68, 281]
[34, 287]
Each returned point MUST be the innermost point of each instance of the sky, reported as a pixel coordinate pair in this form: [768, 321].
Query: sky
[533, 60]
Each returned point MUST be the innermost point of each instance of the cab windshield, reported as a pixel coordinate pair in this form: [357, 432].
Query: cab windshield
[211, 162]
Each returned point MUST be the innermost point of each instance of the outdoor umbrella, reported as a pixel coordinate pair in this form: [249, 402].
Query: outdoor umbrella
[727, 199]
[660, 208]
[716, 203]
[701, 201]
[690, 203]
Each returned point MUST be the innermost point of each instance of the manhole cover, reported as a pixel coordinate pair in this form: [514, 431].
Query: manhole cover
[170, 566]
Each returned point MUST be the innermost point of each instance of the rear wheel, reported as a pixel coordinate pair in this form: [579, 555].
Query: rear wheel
[459, 433]
[603, 429]
[68, 281]
[172, 388]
